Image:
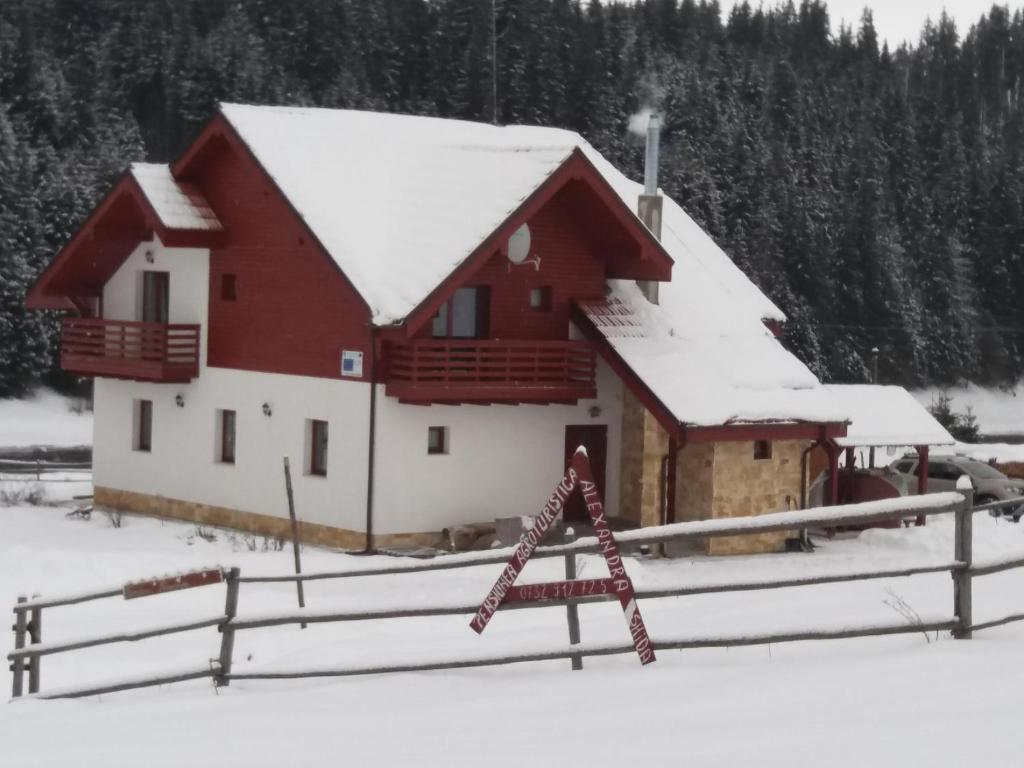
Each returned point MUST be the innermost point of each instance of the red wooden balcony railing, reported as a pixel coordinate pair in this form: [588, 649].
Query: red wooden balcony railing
[471, 370]
[130, 350]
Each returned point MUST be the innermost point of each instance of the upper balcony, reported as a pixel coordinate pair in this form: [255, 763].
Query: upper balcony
[489, 371]
[120, 349]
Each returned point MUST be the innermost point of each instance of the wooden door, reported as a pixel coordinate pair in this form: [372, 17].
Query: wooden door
[593, 437]
[155, 296]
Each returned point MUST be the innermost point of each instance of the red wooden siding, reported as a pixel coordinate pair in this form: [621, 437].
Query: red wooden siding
[568, 266]
[294, 312]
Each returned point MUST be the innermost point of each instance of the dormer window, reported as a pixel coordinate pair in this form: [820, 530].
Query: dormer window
[465, 315]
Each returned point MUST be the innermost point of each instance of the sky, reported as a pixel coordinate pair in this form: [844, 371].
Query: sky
[899, 20]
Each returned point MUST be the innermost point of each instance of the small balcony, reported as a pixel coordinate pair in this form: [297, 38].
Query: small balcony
[120, 349]
[486, 371]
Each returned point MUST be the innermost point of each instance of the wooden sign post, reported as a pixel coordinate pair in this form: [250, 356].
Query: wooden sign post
[578, 475]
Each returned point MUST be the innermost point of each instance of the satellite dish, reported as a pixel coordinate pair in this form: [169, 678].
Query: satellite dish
[519, 245]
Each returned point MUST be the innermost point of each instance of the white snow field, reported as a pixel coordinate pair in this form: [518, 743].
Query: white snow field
[44, 419]
[899, 701]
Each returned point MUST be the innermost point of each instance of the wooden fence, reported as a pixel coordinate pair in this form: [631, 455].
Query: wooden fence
[30, 648]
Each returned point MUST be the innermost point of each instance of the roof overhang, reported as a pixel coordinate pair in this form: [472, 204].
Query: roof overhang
[579, 181]
[690, 433]
[122, 220]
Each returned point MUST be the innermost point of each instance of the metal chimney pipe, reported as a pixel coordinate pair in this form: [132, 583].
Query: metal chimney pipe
[651, 161]
[649, 205]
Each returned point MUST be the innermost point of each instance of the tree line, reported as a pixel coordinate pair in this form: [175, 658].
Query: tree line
[875, 194]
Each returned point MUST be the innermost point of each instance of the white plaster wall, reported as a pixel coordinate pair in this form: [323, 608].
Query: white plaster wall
[503, 460]
[182, 463]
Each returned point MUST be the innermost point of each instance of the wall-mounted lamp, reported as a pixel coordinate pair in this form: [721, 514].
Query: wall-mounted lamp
[594, 411]
[179, 400]
[149, 256]
[267, 410]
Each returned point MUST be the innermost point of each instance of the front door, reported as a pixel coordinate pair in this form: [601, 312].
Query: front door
[593, 437]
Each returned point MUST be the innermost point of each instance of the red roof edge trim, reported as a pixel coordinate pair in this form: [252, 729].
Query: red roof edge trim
[769, 430]
[37, 296]
[220, 126]
[575, 166]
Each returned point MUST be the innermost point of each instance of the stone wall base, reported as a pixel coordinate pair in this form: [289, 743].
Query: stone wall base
[249, 522]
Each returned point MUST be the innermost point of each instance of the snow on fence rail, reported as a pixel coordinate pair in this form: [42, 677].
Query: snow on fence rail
[28, 612]
[28, 616]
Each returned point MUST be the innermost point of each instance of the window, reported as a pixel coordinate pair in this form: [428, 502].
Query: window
[540, 299]
[317, 447]
[906, 467]
[437, 440]
[762, 450]
[155, 296]
[226, 437]
[228, 287]
[143, 426]
[941, 470]
[464, 316]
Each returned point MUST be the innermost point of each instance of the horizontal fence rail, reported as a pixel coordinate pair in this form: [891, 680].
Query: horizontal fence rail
[850, 514]
[28, 626]
[469, 369]
[126, 349]
[29, 647]
[586, 649]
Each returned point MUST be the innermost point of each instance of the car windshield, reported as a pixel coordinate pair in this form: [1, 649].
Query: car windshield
[981, 470]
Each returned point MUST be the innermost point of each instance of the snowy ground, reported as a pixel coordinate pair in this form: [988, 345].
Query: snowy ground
[45, 419]
[881, 701]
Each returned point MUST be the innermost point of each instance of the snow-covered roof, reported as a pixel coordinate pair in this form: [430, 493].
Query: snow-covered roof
[400, 201]
[179, 205]
[886, 415]
[709, 362]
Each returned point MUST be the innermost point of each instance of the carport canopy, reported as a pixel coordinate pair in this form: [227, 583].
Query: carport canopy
[880, 417]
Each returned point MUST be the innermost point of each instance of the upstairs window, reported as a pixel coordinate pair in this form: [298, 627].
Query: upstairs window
[228, 287]
[465, 315]
[317, 447]
[437, 440]
[540, 299]
[226, 436]
[762, 450]
[155, 296]
[142, 439]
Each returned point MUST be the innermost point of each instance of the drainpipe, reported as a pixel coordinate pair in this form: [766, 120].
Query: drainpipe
[650, 204]
[372, 440]
[803, 473]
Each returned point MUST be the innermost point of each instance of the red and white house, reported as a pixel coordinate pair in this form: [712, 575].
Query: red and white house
[426, 316]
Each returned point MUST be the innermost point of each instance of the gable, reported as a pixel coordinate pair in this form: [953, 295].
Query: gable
[400, 203]
[143, 202]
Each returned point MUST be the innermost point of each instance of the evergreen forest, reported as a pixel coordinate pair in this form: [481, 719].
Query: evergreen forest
[875, 194]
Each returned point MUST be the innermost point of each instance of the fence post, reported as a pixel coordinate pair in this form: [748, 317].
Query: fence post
[35, 631]
[295, 535]
[963, 553]
[227, 636]
[18, 664]
[572, 613]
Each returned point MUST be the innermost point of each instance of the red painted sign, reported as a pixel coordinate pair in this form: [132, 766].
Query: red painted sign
[559, 590]
[578, 475]
[172, 583]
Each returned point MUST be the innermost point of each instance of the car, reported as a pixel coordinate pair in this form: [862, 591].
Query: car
[989, 483]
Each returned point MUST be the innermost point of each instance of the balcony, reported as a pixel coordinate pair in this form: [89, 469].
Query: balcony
[486, 371]
[129, 350]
